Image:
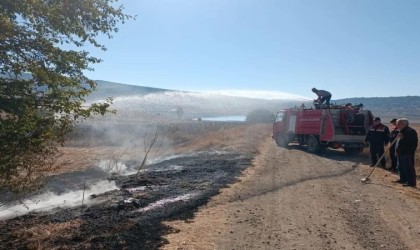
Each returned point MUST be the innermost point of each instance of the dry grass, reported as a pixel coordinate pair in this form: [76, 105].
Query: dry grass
[82, 158]
[242, 138]
[42, 236]
[181, 138]
[45, 236]
[178, 138]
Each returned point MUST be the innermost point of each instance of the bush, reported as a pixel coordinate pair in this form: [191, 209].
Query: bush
[260, 116]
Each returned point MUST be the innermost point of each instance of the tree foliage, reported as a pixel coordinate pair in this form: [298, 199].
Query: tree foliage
[42, 81]
[260, 116]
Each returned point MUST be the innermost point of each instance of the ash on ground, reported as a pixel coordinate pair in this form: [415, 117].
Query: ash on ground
[131, 216]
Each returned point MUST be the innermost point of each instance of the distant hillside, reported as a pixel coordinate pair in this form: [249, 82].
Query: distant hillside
[135, 100]
[107, 89]
[138, 102]
[389, 107]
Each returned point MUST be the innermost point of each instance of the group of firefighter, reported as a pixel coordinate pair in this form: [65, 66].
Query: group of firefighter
[403, 144]
[401, 138]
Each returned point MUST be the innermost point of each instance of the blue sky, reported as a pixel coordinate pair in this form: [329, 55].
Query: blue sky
[353, 48]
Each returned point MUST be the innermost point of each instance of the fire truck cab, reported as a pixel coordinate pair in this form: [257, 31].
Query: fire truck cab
[340, 126]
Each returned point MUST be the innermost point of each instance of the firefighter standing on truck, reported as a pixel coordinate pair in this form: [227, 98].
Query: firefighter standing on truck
[323, 96]
[378, 137]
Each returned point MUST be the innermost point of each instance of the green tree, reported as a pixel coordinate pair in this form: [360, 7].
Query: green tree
[42, 81]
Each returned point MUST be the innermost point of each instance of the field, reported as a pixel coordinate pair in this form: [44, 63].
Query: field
[79, 154]
[203, 179]
[194, 159]
[126, 142]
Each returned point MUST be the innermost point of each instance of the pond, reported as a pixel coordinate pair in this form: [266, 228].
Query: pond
[230, 118]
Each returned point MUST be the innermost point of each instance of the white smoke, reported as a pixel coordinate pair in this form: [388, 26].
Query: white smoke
[163, 202]
[49, 200]
[115, 167]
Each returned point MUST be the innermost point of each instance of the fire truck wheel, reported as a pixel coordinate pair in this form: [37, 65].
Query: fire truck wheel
[282, 141]
[313, 144]
[301, 140]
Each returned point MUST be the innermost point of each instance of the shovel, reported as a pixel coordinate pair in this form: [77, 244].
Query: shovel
[365, 180]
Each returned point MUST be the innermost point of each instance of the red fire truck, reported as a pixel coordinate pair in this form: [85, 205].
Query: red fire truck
[340, 126]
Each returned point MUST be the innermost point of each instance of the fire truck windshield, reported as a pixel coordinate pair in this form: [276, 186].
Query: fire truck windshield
[279, 117]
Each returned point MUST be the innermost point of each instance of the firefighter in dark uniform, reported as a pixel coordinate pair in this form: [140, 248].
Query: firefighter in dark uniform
[323, 96]
[393, 135]
[378, 137]
[407, 141]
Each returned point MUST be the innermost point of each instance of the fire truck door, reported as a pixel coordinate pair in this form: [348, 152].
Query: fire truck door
[292, 123]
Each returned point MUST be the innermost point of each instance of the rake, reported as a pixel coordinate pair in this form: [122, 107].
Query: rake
[364, 180]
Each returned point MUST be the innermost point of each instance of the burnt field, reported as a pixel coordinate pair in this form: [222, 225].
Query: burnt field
[190, 166]
[126, 206]
[130, 217]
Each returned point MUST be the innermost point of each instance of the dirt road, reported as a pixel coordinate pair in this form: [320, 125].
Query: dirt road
[290, 199]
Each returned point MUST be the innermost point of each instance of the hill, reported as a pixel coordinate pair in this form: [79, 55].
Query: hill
[140, 100]
[389, 107]
[107, 89]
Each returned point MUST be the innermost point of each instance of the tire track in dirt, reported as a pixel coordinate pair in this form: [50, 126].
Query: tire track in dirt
[290, 199]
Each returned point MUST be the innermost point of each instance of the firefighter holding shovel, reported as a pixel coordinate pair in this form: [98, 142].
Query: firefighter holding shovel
[378, 138]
